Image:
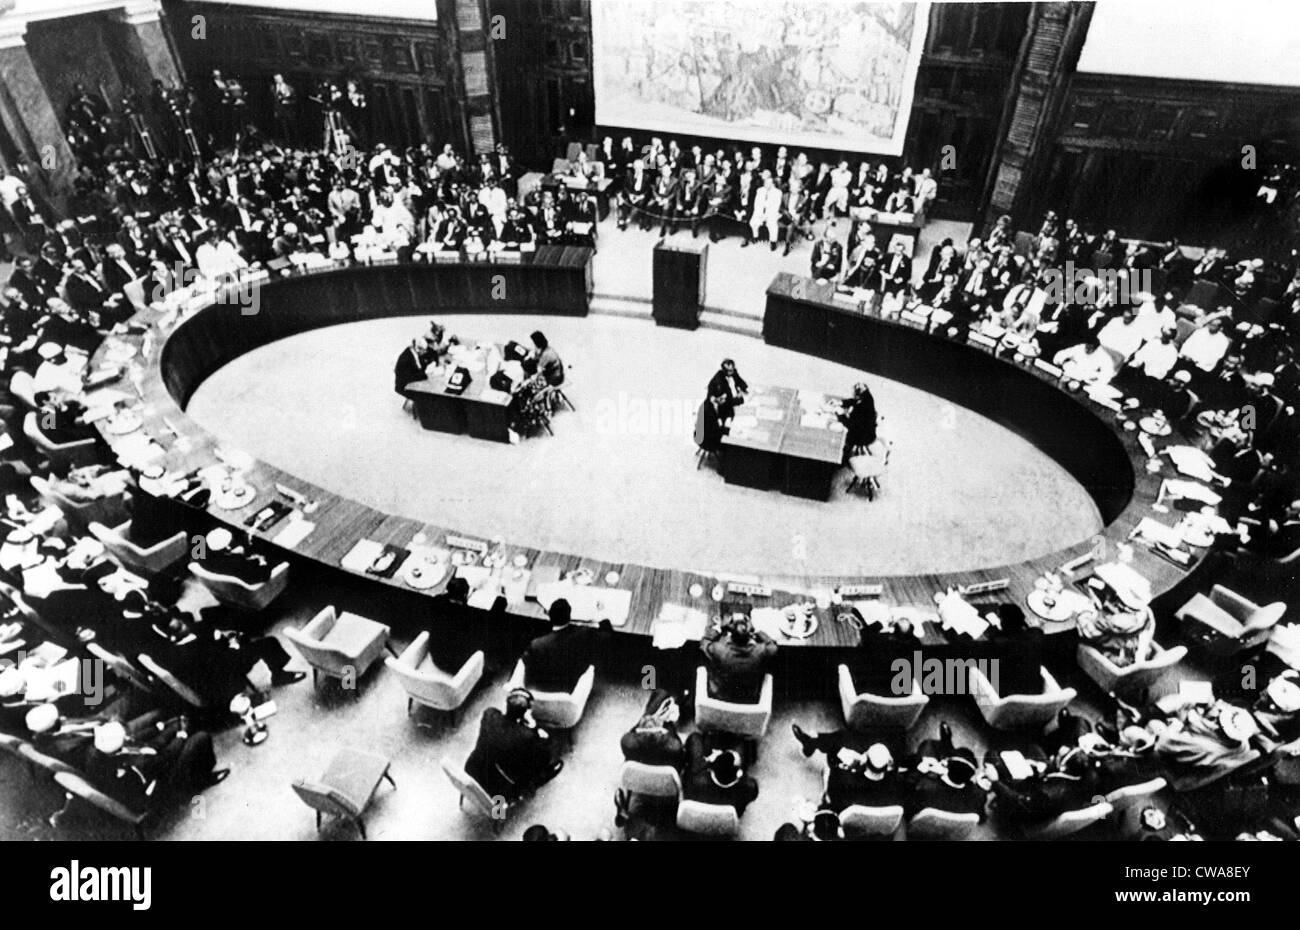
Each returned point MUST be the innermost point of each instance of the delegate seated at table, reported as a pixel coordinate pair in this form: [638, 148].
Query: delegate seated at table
[729, 385]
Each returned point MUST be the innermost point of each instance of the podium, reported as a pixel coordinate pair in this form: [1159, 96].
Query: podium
[679, 283]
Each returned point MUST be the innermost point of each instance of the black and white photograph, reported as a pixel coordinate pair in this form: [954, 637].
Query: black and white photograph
[680, 421]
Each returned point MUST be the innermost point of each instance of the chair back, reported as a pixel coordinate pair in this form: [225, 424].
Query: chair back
[863, 711]
[182, 690]
[23, 386]
[429, 685]
[718, 820]
[1122, 799]
[1071, 822]
[470, 790]
[860, 820]
[75, 785]
[934, 824]
[718, 716]
[557, 710]
[1019, 711]
[237, 593]
[120, 666]
[659, 781]
[321, 797]
[874, 461]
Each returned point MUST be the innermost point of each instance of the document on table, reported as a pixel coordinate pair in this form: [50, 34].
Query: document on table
[771, 414]
[1156, 532]
[1191, 462]
[294, 531]
[677, 625]
[362, 555]
[744, 421]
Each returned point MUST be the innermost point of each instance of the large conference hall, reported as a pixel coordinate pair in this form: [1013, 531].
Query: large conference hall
[649, 420]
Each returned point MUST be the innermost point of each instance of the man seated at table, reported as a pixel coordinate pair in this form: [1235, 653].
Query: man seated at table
[729, 385]
[151, 765]
[556, 660]
[1143, 375]
[827, 255]
[654, 739]
[716, 776]
[943, 777]
[866, 779]
[410, 365]
[715, 418]
[1089, 362]
[859, 419]
[513, 756]
[547, 361]
[454, 629]
[233, 559]
[737, 658]
[1046, 788]
[59, 418]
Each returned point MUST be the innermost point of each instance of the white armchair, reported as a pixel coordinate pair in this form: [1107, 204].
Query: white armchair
[339, 645]
[494, 809]
[934, 824]
[717, 820]
[1070, 822]
[658, 781]
[1128, 679]
[152, 559]
[78, 452]
[557, 710]
[747, 720]
[870, 710]
[430, 686]
[1019, 711]
[239, 593]
[859, 820]
[80, 514]
[1226, 623]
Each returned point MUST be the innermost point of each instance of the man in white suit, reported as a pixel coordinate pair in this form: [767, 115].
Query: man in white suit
[766, 212]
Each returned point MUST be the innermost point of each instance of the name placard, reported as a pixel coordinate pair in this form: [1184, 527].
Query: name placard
[861, 590]
[752, 590]
[986, 587]
[1048, 368]
[464, 542]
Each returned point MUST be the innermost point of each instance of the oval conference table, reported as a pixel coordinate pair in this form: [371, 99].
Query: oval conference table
[178, 350]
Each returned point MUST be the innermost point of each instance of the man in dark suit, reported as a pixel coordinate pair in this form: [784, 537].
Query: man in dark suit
[25, 282]
[1068, 782]
[869, 779]
[716, 777]
[663, 194]
[227, 557]
[827, 256]
[116, 269]
[871, 666]
[455, 630]
[1018, 650]
[636, 190]
[688, 204]
[654, 740]
[737, 657]
[945, 785]
[556, 660]
[84, 292]
[859, 419]
[714, 416]
[512, 756]
[794, 212]
[729, 385]
[410, 365]
[152, 764]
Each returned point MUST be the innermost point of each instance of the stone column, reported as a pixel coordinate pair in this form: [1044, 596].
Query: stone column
[142, 51]
[31, 120]
[1048, 57]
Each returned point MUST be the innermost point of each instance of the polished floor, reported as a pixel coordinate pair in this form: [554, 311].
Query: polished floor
[618, 481]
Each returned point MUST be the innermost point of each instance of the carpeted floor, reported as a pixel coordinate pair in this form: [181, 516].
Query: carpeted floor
[321, 405]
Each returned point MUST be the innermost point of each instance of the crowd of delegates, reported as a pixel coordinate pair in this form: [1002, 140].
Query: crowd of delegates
[158, 224]
[756, 194]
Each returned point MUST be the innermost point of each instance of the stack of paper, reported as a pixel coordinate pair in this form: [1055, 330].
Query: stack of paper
[294, 531]
[361, 556]
[676, 625]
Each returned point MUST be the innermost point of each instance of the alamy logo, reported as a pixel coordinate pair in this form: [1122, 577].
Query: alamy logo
[103, 883]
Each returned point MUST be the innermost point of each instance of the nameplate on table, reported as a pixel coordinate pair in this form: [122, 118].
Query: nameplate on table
[1048, 368]
[861, 590]
[914, 318]
[506, 257]
[752, 590]
[985, 587]
[464, 542]
[987, 342]
[446, 256]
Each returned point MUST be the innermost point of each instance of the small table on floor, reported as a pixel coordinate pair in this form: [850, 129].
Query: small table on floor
[782, 438]
[479, 410]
